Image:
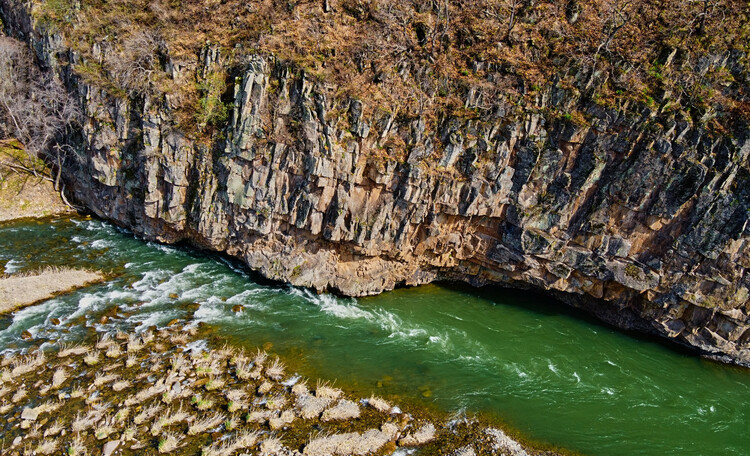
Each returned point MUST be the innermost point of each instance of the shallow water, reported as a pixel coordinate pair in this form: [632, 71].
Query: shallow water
[556, 377]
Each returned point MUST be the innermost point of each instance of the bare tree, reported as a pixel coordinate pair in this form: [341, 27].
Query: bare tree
[137, 65]
[34, 107]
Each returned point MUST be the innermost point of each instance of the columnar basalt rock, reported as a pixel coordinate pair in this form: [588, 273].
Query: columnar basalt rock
[636, 217]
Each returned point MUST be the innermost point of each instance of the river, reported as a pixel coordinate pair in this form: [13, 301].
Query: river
[552, 374]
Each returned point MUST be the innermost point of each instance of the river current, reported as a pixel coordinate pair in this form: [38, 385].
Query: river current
[552, 374]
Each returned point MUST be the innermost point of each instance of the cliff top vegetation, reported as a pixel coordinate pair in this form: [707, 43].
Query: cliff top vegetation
[686, 58]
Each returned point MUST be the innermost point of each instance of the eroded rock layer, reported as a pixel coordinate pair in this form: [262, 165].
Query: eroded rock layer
[637, 217]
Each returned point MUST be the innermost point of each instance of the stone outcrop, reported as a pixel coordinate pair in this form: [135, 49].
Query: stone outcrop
[639, 217]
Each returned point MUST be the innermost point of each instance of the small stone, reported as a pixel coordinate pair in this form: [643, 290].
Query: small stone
[238, 308]
[55, 321]
[267, 346]
[103, 320]
[173, 296]
[173, 322]
[112, 313]
[29, 414]
[110, 447]
[426, 393]
[17, 441]
[26, 335]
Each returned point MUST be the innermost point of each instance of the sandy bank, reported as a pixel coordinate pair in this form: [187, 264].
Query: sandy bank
[21, 291]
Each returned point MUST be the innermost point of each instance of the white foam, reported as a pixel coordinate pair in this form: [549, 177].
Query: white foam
[13, 266]
[209, 313]
[578, 379]
[197, 346]
[162, 247]
[152, 319]
[404, 452]
[291, 381]
[150, 279]
[608, 391]
[102, 244]
[191, 267]
[332, 306]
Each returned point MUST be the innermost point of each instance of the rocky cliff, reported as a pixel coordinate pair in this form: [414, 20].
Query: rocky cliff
[636, 216]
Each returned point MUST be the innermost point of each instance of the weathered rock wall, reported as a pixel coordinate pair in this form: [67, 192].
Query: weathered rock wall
[639, 217]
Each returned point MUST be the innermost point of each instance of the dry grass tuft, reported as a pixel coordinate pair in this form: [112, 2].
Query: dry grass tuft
[242, 369]
[102, 379]
[206, 423]
[84, 422]
[260, 357]
[325, 391]
[47, 447]
[276, 370]
[104, 342]
[300, 389]
[311, 407]
[168, 443]
[283, 419]
[421, 436]
[276, 402]
[20, 394]
[265, 387]
[91, 358]
[214, 384]
[59, 377]
[54, 429]
[6, 376]
[72, 350]
[379, 404]
[76, 448]
[121, 385]
[271, 447]
[168, 420]
[344, 410]
[147, 413]
[28, 364]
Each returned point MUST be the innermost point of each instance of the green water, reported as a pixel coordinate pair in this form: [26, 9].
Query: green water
[553, 375]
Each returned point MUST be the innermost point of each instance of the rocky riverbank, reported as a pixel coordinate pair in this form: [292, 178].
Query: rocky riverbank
[171, 391]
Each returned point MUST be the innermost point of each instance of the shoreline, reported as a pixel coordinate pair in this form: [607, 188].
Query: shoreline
[180, 370]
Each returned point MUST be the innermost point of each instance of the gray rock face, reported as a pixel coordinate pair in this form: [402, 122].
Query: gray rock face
[639, 218]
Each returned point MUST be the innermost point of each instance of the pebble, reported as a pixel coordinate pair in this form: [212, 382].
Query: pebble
[110, 447]
[30, 414]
